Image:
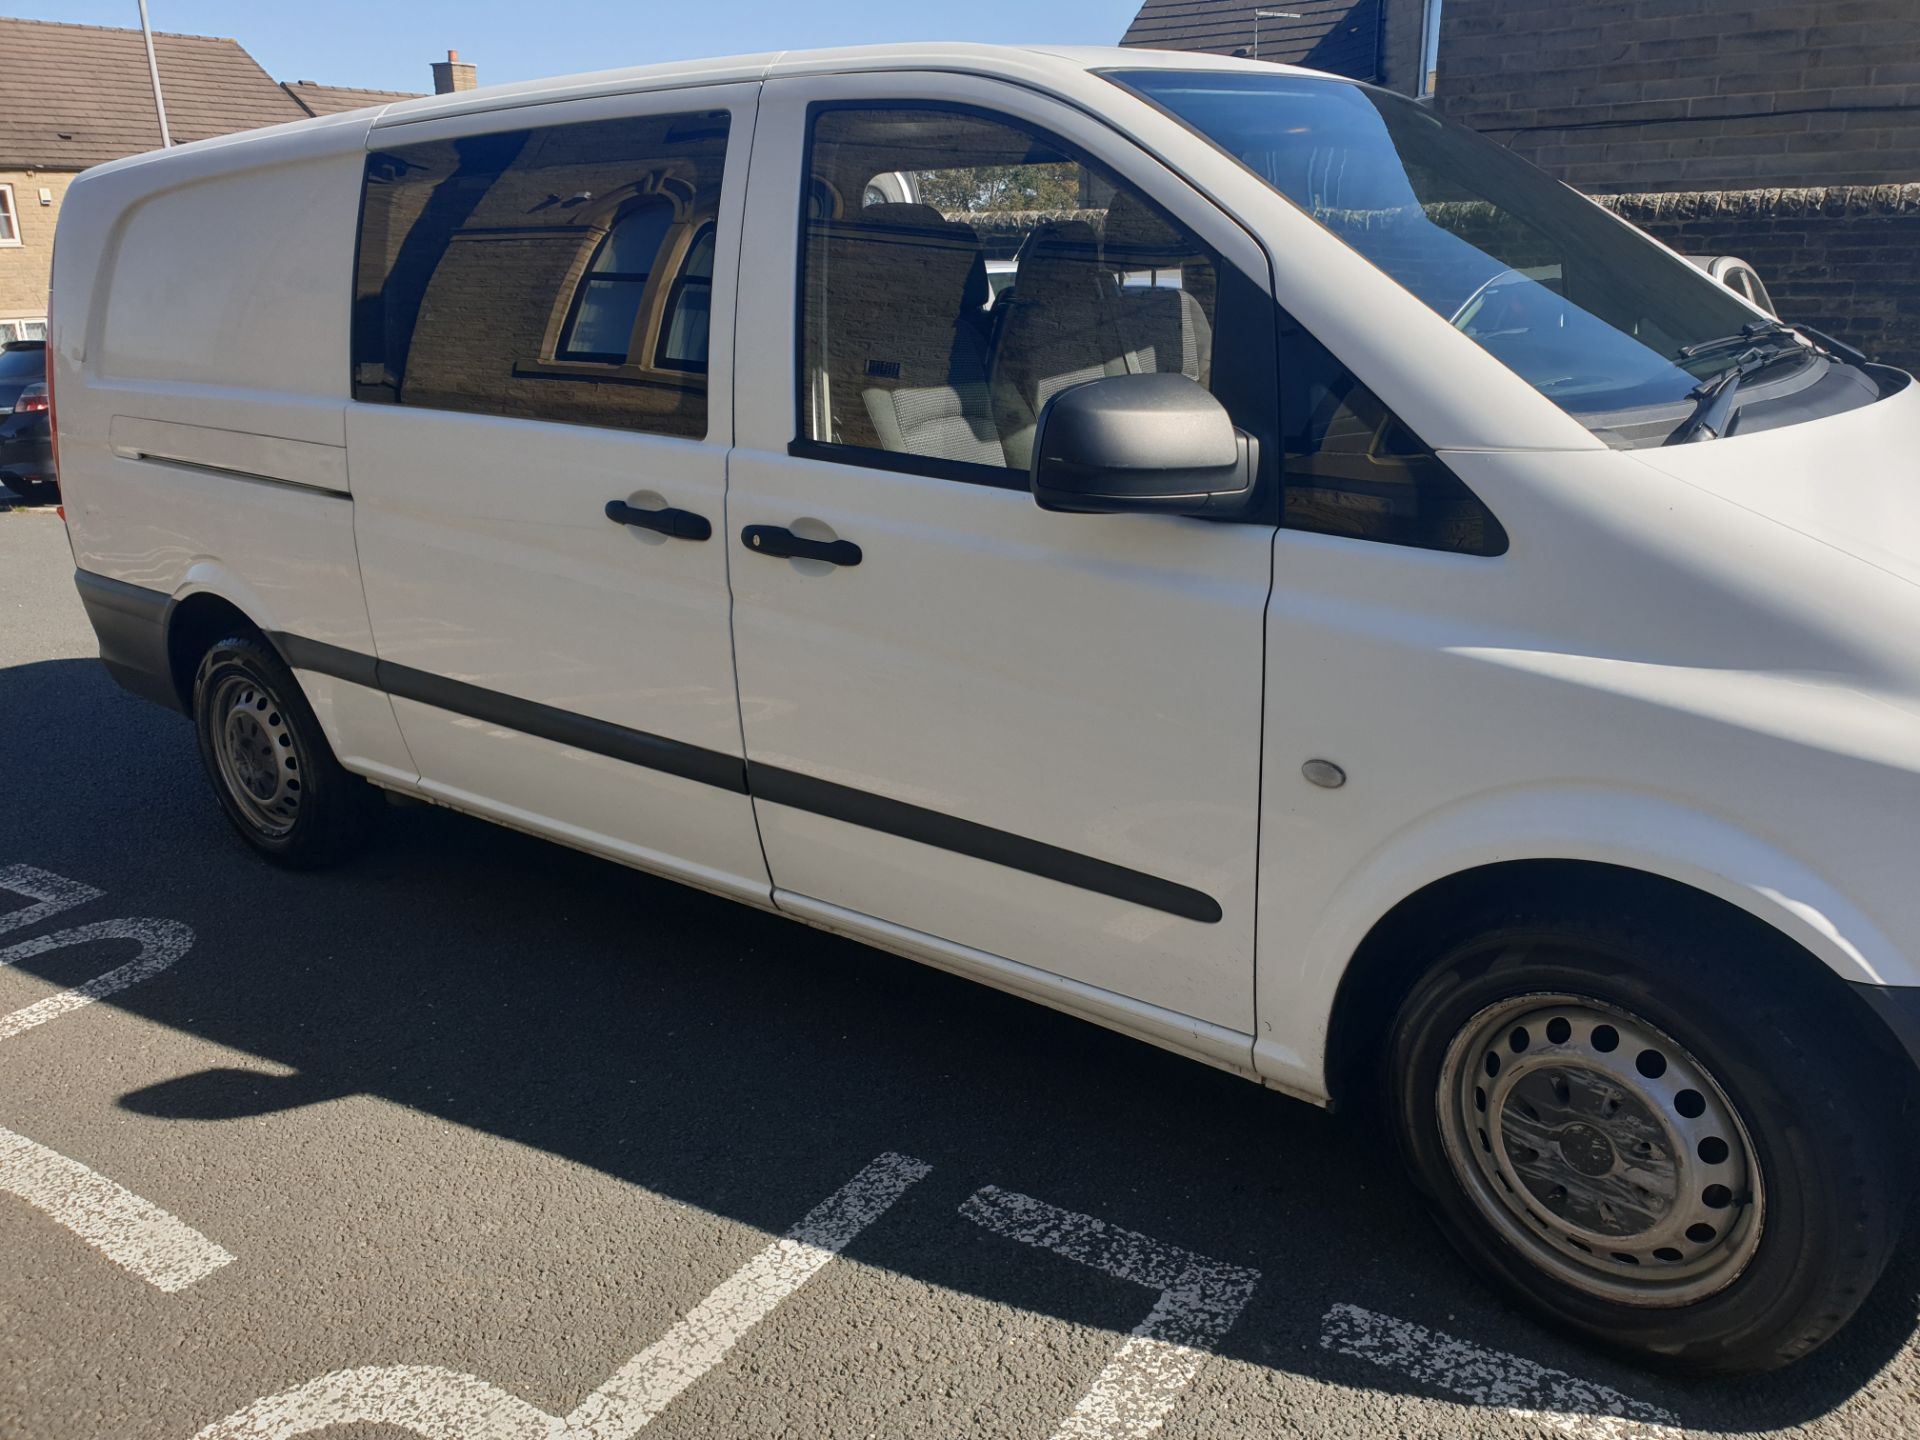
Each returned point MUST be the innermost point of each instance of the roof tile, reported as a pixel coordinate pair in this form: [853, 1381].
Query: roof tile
[77, 95]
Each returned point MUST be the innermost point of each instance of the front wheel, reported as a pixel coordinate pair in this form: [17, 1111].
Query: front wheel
[272, 769]
[1650, 1137]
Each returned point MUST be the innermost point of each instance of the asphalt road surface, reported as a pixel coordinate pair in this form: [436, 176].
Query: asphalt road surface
[480, 1139]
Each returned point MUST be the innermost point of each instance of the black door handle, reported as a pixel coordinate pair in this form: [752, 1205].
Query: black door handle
[777, 540]
[680, 524]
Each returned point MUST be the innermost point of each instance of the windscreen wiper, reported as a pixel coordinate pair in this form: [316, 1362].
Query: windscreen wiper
[1714, 400]
[1759, 330]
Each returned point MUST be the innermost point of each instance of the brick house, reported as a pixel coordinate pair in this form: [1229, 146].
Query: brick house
[72, 96]
[1784, 131]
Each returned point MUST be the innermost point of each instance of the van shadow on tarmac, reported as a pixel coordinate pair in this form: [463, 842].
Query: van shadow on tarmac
[745, 1064]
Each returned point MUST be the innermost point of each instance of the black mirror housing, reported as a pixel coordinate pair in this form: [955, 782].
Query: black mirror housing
[1142, 442]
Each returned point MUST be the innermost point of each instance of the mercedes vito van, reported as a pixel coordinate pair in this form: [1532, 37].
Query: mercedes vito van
[1348, 609]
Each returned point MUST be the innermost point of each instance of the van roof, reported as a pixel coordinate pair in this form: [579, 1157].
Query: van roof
[1059, 68]
[996, 60]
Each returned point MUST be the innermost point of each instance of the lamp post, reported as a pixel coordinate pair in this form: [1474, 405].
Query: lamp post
[153, 70]
[1258, 16]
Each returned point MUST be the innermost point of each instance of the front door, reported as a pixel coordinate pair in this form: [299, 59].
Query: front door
[542, 366]
[1011, 740]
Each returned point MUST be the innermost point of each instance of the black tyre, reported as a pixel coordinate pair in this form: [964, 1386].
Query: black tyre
[1649, 1134]
[271, 767]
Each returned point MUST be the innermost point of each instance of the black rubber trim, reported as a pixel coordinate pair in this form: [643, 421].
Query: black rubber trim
[1898, 1007]
[250, 477]
[130, 622]
[982, 842]
[548, 722]
[994, 477]
[763, 782]
[301, 653]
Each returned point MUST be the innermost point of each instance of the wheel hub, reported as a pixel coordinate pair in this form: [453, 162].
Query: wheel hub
[1587, 1150]
[257, 757]
[1601, 1148]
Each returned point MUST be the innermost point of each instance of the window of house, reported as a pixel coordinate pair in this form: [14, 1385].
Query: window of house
[544, 274]
[1430, 49]
[9, 217]
[910, 348]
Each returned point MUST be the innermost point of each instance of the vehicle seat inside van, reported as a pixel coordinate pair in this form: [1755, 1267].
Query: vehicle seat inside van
[906, 369]
[1162, 328]
[1060, 329]
[1070, 317]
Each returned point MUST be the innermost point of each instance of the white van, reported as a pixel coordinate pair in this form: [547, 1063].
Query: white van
[1352, 611]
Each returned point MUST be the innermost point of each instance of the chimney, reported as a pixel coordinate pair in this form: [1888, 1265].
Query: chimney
[452, 74]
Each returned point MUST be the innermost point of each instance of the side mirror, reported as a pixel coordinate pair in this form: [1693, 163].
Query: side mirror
[1142, 442]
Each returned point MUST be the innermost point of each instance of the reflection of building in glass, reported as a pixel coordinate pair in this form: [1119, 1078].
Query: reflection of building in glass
[1789, 138]
[557, 274]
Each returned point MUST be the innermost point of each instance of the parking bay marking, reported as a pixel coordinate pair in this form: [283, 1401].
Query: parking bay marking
[442, 1404]
[1199, 1301]
[134, 1233]
[1552, 1398]
[51, 894]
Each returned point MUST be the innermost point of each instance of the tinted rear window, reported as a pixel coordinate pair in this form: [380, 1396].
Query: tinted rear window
[23, 362]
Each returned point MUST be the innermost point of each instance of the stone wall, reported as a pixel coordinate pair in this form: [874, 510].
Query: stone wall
[1629, 96]
[1400, 45]
[1845, 259]
[26, 269]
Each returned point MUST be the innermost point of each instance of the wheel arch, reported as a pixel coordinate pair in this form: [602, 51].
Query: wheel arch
[1402, 943]
[194, 623]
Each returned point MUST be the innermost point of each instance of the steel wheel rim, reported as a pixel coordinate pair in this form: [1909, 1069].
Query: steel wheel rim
[1601, 1149]
[258, 758]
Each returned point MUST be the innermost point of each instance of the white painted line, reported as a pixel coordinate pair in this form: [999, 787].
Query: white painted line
[1198, 1302]
[443, 1404]
[644, 1386]
[54, 893]
[1551, 1398]
[133, 1233]
[162, 942]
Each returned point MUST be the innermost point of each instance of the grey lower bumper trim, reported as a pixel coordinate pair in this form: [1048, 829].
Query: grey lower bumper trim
[130, 622]
[1898, 1007]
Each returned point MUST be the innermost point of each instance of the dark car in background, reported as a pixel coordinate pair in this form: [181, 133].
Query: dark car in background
[26, 421]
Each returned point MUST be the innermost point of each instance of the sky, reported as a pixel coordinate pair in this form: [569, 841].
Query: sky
[388, 44]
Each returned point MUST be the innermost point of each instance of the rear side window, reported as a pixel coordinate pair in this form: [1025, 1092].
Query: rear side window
[556, 274]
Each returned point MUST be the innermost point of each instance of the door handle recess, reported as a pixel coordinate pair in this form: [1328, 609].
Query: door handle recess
[680, 524]
[777, 540]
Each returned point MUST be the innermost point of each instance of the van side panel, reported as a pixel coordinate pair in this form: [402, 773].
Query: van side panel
[200, 321]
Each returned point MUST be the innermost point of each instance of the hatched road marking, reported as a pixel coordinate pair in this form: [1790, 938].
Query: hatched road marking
[1198, 1302]
[1553, 1398]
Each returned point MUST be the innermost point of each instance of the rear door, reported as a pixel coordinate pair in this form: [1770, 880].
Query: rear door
[1020, 742]
[542, 410]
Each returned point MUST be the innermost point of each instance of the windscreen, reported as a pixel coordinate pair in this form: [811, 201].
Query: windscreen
[1585, 309]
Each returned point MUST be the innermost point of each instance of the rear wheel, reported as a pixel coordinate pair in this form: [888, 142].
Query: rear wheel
[1649, 1136]
[272, 769]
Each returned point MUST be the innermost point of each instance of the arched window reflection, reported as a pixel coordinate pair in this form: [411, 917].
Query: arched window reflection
[607, 304]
